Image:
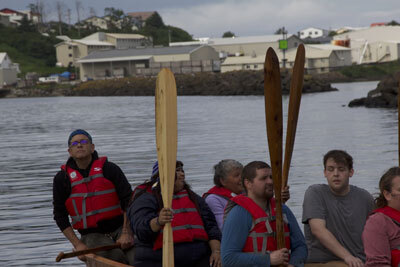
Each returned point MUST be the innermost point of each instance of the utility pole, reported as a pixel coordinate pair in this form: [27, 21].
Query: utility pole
[283, 45]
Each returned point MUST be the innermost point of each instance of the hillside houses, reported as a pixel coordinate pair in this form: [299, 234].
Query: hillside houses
[70, 51]
[8, 70]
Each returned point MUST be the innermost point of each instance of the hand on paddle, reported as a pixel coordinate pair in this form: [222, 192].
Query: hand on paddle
[125, 239]
[81, 246]
[279, 257]
[166, 215]
[285, 194]
[353, 261]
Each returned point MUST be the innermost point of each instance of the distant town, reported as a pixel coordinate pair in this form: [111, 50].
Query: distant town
[119, 45]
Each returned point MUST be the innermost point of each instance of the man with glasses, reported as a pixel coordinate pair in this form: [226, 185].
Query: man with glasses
[95, 194]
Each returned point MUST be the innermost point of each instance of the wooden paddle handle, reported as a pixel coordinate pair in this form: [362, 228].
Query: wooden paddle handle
[63, 255]
[296, 86]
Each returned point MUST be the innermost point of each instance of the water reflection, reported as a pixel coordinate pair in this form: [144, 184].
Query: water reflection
[34, 132]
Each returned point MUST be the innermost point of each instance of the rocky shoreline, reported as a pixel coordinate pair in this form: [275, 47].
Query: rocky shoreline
[229, 83]
[384, 96]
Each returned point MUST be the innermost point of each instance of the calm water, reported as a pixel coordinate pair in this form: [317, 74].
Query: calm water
[34, 131]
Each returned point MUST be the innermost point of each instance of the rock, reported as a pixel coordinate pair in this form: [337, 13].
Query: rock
[384, 96]
[205, 83]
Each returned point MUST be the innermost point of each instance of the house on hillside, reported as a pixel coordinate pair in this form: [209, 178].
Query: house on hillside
[139, 18]
[313, 33]
[69, 51]
[8, 70]
[148, 61]
[373, 44]
[95, 21]
[15, 17]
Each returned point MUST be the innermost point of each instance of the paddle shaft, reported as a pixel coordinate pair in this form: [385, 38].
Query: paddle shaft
[398, 114]
[166, 139]
[273, 116]
[296, 86]
[63, 255]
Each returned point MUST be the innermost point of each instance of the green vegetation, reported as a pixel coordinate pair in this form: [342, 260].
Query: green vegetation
[161, 33]
[370, 71]
[33, 51]
[228, 34]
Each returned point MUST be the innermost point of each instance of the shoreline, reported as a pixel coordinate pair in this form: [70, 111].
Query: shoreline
[201, 84]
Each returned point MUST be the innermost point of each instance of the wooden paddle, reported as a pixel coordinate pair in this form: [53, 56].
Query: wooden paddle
[296, 87]
[398, 114]
[63, 255]
[273, 116]
[166, 139]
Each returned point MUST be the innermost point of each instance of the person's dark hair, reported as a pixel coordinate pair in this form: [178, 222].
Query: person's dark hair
[250, 171]
[224, 168]
[339, 156]
[385, 184]
[156, 189]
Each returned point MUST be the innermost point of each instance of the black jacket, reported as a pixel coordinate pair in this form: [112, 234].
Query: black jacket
[62, 190]
[146, 208]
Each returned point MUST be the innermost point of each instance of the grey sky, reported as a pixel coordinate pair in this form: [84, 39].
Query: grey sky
[211, 18]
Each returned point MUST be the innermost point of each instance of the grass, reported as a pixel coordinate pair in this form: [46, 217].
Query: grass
[29, 64]
[371, 71]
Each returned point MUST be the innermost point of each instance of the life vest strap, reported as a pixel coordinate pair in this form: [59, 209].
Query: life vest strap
[182, 210]
[84, 215]
[91, 194]
[186, 227]
[87, 179]
[180, 196]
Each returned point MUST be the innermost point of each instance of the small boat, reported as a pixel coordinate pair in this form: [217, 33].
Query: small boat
[93, 260]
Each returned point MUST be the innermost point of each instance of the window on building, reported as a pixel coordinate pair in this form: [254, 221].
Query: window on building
[316, 33]
[255, 66]
[70, 47]
[70, 55]
[247, 66]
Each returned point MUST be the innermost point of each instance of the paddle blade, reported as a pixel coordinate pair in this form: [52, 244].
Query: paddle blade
[296, 87]
[273, 116]
[166, 139]
[166, 132]
[398, 114]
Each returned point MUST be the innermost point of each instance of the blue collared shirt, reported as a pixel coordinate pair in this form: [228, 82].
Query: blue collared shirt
[235, 232]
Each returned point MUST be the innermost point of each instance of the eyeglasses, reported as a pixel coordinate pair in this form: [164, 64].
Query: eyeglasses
[82, 142]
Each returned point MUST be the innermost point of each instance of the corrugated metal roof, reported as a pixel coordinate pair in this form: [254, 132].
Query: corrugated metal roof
[150, 51]
[329, 47]
[125, 36]
[2, 56]
[245, 40]
[93, 42]
[373, 34]
[114, 59]
[243, 60]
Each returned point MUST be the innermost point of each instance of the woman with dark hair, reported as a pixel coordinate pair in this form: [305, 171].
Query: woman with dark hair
[381, 235]
[195, 232]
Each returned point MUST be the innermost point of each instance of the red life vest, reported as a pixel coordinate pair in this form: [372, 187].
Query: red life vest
[395, 216]
[92, 198]
[187, 224]
[220, 191]
[261, 238]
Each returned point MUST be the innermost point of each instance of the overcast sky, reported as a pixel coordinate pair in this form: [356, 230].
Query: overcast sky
[211, 18]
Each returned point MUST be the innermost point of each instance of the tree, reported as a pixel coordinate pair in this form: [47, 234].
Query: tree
[78, 6]
[155, 20]
[228, 34]
[60, 13]
[281, 31]
[393, 23]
